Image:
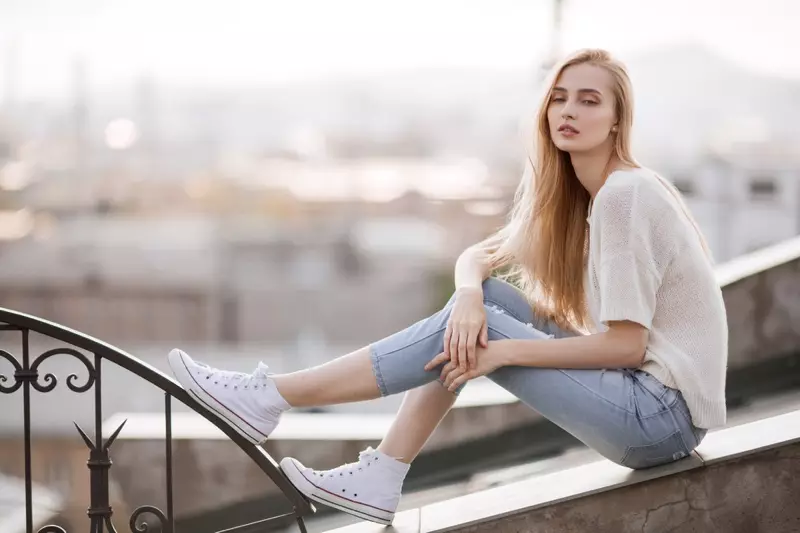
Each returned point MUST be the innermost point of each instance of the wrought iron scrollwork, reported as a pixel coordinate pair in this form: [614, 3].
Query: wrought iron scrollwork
[52, 529]
[17, 370]
[144, 527]
[26, 377]
[52, 381]
[31, 374]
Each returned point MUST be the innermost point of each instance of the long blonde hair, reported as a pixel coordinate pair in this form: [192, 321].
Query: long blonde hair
[544, 245]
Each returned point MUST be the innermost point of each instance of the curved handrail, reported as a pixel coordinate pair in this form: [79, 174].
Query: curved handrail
[154, 376]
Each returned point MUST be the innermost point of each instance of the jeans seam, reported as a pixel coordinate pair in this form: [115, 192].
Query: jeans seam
[688, 419]
[629, 448]
[590, 391]
[426, 337]
[665, 411]
[376, 369]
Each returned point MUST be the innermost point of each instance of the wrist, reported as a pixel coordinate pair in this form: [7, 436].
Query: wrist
[469, 290]
[514, 352]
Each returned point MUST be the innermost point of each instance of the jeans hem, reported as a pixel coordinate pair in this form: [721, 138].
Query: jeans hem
[376, 369]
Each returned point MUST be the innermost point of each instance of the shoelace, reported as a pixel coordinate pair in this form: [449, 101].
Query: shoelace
[239, 379]
[363, 459]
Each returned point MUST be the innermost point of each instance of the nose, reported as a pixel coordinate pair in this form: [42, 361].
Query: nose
[567, 112]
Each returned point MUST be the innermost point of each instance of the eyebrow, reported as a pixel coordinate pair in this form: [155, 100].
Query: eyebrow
[591, 91]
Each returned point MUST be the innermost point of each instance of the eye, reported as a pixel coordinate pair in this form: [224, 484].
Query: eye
[590, 102]
[558, 99]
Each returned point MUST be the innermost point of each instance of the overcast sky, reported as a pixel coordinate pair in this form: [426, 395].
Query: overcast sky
[233, 41]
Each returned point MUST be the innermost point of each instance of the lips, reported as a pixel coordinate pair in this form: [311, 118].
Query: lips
[566, 128]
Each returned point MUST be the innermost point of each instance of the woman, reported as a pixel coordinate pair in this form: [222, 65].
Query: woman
[618, 334]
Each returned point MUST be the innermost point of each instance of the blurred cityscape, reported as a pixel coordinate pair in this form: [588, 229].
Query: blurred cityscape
[295, 221]
[304, 211]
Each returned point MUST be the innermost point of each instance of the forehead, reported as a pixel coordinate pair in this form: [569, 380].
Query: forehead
[585, 76]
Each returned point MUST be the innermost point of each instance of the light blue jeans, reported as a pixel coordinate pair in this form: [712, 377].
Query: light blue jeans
[626, 415]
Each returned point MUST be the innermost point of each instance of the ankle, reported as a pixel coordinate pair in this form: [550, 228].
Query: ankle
[394, 464]
[395, 455]
[283, 387]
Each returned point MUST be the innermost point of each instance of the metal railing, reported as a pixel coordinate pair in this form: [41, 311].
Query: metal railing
[27, 377]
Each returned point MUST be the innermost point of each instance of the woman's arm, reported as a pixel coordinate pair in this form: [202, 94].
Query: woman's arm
[471, 269]
[622, 346]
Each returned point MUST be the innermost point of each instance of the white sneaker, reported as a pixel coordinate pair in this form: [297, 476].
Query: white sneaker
[250, 403]
[369, 489]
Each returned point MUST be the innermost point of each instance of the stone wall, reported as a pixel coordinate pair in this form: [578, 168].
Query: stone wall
[757, 493]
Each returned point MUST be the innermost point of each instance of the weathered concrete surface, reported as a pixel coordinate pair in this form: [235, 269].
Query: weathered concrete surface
[756, 494]
[763, 307]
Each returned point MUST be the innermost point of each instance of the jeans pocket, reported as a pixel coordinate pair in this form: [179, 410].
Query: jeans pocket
[669, 449]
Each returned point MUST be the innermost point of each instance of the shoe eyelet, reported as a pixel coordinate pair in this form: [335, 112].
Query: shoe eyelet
[355, 495]
[208, 377]
[342, 490]
[216, 383]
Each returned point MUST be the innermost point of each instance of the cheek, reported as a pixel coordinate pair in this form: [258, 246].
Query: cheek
[600, 120]
[553, 117]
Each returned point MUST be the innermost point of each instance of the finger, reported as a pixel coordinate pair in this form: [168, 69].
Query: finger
[485, 335]
[436, 361]
[447, 334]
[462, 350]
[449, 367]
[457, 382]
[471, 341]
[452, 376]
[454, 345]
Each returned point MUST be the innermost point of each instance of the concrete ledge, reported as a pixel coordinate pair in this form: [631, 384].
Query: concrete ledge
[741, 479]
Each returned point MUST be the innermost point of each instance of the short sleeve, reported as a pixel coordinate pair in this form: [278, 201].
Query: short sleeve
[628, 276]
[627, 289]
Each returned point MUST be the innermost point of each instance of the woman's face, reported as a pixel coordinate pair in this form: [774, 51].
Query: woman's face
[581, 110]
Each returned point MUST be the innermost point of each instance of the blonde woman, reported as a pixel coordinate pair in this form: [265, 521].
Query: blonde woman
[618, 334]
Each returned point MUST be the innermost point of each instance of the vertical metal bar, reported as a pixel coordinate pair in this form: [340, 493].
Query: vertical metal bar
[168, 411]
[301, 523]
[98, 404]
[26, 406]
[98, 439]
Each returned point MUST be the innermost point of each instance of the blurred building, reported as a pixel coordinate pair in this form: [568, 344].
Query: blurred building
[744, 198]
[200, 279]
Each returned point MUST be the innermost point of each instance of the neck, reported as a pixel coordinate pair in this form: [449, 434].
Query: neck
[592, 168]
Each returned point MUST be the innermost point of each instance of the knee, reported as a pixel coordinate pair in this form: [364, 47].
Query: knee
[492, 288]
[496, 290]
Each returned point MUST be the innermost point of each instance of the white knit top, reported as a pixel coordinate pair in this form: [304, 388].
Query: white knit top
[646, 264]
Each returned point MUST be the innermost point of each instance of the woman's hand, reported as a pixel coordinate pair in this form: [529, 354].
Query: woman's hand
[466, 328]
[489, 359]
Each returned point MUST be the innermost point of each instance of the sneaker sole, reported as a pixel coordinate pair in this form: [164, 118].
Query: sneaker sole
[308, 489]
[188, 382]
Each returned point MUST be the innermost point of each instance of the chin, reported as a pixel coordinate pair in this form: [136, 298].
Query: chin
[566, 145]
